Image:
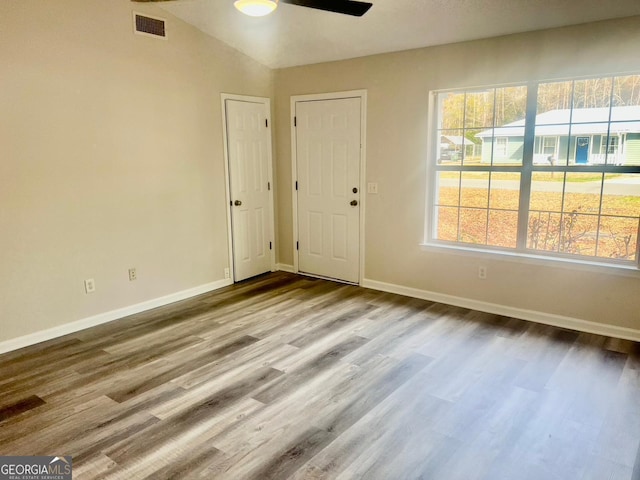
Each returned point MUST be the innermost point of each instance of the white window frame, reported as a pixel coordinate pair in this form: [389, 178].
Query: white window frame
[526, 170]
[604, 144]
[555, 145]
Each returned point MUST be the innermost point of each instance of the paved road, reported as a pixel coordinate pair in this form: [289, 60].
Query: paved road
[627, 185]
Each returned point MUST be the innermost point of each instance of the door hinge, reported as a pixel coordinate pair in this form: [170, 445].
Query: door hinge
[297, 245]
[266, 122]
[268, 185]
[270, 246]
[295, 121]
[296, 185]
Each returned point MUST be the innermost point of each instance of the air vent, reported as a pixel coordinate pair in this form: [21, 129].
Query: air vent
[145, 25]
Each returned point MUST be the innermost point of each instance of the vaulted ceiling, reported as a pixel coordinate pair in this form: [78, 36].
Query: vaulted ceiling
[295, 35]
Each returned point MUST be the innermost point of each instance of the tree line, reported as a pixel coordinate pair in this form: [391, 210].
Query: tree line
[476, 110]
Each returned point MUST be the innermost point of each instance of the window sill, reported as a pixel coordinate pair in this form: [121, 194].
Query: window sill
[530, 259]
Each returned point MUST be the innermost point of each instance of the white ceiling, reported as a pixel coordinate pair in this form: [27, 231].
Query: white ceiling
[295, 35]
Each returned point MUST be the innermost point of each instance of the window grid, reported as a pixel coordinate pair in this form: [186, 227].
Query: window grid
[526, 170]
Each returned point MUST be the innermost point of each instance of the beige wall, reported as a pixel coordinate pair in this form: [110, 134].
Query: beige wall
[111, 157]
[398, 85]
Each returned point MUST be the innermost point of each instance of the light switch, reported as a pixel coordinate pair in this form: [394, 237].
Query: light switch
[372, 187]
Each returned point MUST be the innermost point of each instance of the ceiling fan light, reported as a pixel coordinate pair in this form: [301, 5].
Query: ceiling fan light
[256, 8]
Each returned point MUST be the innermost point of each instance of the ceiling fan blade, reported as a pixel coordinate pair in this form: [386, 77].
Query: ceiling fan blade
[348, 7]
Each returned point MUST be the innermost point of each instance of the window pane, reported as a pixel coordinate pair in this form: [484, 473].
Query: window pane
[447, 223]
[451, 147]
[511, 104]
[450, 110]
[456, 145]
[554, 102]
[475, 189]
[503, 228]
[479, 109]
[626, 91]
[582, 193]
[544, 231]
[505, 191]
[621, 195]
[546, 192]
[472, 147]
[592, 93]
[448, 188]
[473, 226]
[578, 234]
[618, 238]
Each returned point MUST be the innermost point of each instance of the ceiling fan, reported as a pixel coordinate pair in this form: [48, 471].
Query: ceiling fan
[258, 8]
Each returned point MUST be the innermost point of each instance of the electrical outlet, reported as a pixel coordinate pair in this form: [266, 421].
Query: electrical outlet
[227, 273]
[89, 285]
[482, 273]
[372, 188]
[133, 275]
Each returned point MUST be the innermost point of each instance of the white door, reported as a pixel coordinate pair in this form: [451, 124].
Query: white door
[328, 175]
[248, 149]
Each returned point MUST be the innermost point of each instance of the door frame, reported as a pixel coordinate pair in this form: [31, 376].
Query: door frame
[227, 176]
[362, 95]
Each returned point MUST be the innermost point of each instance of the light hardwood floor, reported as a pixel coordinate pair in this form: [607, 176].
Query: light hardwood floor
[290, 377]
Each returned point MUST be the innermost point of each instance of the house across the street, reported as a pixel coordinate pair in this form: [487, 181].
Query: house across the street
[583, 136]
[452, 146]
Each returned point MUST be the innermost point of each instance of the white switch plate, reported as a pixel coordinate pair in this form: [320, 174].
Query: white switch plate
[372, 187]
[133, 275]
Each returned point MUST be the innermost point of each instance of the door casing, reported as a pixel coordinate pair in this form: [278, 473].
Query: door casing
[362, 95]
[267, 102]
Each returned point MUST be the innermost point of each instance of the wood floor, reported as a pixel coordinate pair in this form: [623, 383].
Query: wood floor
[291, 377]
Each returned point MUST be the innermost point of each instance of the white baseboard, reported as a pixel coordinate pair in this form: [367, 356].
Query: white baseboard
[521, 313]
[72, 327]
[283, 267]
[530, 315]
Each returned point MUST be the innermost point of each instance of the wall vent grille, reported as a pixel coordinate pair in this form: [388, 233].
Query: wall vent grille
[145, 25]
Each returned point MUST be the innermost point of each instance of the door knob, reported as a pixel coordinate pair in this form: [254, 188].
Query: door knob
[354, 203]
[237, 203]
